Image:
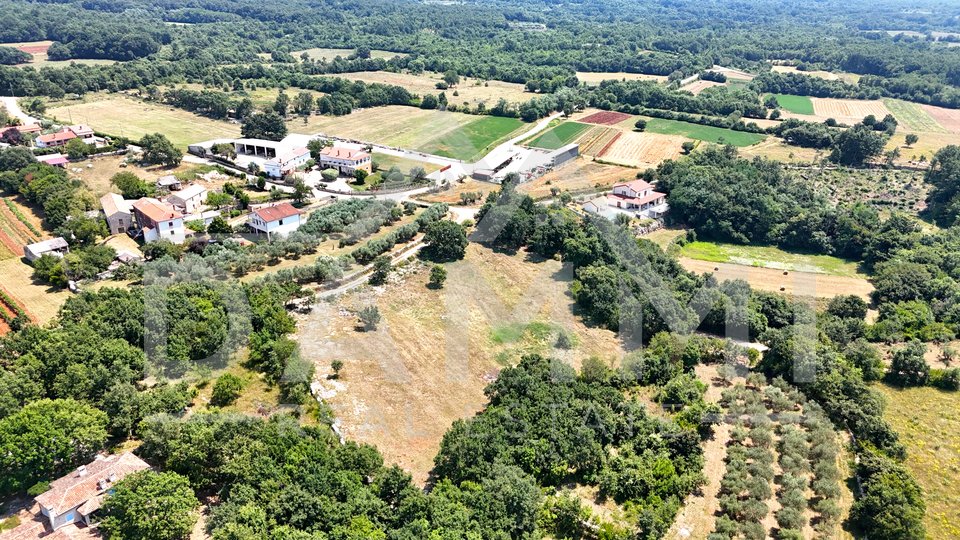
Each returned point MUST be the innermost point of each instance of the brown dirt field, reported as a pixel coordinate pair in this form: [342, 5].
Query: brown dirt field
[948, 118]
[470, 90]
[848, 111]
[582, 174]
[431, 357]
[773, 280]
[593, 79]
[644, 149]
[596, 139]
[19, 304]
[28, 211]
[10, 244]
[607, 118]
[22, 232]
[700, 85]
[40, 301]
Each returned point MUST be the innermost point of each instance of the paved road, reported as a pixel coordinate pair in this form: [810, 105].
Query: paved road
[14, 109]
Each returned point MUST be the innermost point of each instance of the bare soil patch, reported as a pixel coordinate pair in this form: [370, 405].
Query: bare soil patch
[948, 118]
[644, 149]
[607, 118]
[700, 85]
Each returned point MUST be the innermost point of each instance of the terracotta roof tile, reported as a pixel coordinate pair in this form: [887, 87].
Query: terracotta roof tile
[77, 488]
[275, 212]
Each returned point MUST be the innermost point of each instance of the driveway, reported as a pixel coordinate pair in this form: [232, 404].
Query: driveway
[14, 109]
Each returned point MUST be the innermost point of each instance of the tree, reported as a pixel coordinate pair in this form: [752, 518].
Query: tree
[218, 225]
[282, 103]
[336, 366]
[264, 125]
[77, 149]
[848, 307]
[446, 241]
[131, 186]
[418, 175]
[911, 139]
[159, 150]
[226, 390]
[304, 103]
[381, 269]
[150, 505]
[329, 175]
[370, 317]
[47, 438]
[301, 191]
[360, 175]
[429, 101]
[49, 269]
[856, 145]
[15, 158]
[438, 275]
[687, 147]
[451, 78]
[866, 356]
[908, 366]
[640, 125]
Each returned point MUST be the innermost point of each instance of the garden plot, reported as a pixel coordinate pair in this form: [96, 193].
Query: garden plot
[607, 118]
[848, 111]
[643, 149]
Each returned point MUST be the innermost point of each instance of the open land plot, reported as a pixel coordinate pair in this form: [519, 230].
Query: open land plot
[926, 146]
[41, 301]
[928, 422]
[469, 90]
[771, 257]
[597, 140]
[795, 104]
[330, 54]
[851, 78]
[948, 118]
[699, 85]
[607, 118]
[452, 195]
[796, 283]
[643, 149]
[428, 362]
[775, 148]
[119, 115]
[913, 116]
[474, 139]
[95, 173]
[595, 78]
[578, 176]
[703, 133]
[559, 135]
[733, 73]
[887, 190]
[848, 111]
[39, 51]
[386, 161]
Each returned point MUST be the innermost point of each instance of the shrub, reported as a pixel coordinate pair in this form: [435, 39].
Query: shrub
[370, 317]
[438, 275]
[226, 390]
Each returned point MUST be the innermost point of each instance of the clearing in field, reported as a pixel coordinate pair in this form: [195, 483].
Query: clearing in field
[471, 91]
[452, 195]
[39, 51]
[774, 148]
[913, 116]
[771, 257]
[561, 135]
[643, 150]
[850, 78]
[795, 104]
[127, 117]
[429, 360]
[703, 133]
[607, 118]
[928, 422]
[848, 111]
[578, 176]
[700, 85]
[595, 78]
[474, 139]
[386, 161]
[804, 284]
[948, 118]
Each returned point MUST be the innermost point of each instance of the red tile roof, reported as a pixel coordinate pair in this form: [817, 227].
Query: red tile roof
[275, 212]
[58, 137]
[78, 488]
[344, 153]
[654, 195]
[636, 185]
[155, 210]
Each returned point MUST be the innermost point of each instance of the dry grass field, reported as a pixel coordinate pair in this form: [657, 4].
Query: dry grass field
[330, 54]
[595, 78]
[39, 51]
[846, 111]
[435, 350]
[699, 85]
[850, 78]
[472, 91]
[582, 174]
[394, 125]
[41, 301]
[773, 280]
[774, 148]
[127, 117]
[949, 119]
[643, 149]
[452, 195]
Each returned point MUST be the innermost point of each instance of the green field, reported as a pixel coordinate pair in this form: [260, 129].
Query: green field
[928, 422]
[561, 135]
[795, 104]
[473, 140]
[912, 116]
[703, 133]
[770, 257]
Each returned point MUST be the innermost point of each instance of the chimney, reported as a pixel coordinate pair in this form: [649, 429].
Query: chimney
[112, 478]
[101, 485]
[82, 470]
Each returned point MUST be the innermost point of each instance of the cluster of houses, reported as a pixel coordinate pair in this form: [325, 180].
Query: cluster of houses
[68, 510]
[280, 159]
[635, 199]
[57, 139]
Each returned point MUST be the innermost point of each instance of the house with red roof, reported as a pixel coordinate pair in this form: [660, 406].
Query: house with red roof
[53, 140]
[277, 219]
[345, 160]
[159, 221]
[638, 197]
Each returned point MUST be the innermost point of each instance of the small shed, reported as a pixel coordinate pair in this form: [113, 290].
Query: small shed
[55, 246]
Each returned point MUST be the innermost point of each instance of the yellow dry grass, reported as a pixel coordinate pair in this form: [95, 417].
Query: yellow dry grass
[393, 125]
[435, 350]
[850, 78]
[805, 284]
[469, 90]
[582, 174]
[40, 300]
[595, 78]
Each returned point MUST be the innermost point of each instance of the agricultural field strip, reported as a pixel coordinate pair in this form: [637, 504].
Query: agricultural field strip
[913, 117]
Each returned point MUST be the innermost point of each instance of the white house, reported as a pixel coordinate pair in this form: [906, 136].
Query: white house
[75, 497]
[638, 197]
[188, 199]
[287, 162]
[345, 160]
[279, 219]
[54, 246]
[159, 221]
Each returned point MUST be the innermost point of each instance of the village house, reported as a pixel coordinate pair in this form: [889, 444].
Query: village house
[53, 140]
[55, 160]
[83, 132]
[286, 162]
[57, 247]
[345, 160]
[169, 183]
[188, 199]
[159, 221]
[118, 213]
[275, 220]
[638, 197]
